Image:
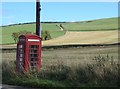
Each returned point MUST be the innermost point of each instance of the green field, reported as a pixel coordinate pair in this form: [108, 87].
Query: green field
[93, 25]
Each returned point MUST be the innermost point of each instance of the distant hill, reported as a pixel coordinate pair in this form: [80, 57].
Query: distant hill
[106, 24]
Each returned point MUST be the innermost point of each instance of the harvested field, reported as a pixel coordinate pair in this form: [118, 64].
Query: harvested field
[69, 55]
[90, 37]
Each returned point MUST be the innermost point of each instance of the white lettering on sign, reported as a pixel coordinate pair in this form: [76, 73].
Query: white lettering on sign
[35, 40]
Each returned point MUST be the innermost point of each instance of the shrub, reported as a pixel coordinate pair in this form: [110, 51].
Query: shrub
[15, 35]
[46, 35]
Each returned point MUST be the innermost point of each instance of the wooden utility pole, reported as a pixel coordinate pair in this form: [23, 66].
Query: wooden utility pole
[38, 9]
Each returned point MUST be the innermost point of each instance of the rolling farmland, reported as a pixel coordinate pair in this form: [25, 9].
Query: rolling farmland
[84, 27]
[90, 66]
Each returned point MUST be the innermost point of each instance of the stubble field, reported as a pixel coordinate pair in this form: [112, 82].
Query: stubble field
[69, 55]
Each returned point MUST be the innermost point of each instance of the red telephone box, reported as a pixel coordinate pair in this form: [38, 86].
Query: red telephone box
[28, 56]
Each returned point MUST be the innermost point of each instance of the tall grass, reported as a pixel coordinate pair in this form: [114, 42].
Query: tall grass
[101, 72]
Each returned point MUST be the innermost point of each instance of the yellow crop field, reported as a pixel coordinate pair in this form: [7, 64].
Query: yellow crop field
[87, 37]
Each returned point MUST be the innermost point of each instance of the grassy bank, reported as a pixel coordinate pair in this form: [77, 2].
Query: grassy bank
[102, 71]
[68, 67]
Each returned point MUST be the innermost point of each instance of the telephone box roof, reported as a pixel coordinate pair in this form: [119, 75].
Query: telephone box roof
[29, 36]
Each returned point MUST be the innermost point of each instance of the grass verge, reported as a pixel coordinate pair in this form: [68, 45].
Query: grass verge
[102, 72]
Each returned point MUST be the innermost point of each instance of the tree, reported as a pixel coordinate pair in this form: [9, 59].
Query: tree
[15, 35]
[47, 35]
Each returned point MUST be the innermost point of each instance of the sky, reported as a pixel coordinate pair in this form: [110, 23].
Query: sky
[23, 12]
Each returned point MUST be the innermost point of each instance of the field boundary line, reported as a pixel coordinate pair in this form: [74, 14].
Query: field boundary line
[65, 46]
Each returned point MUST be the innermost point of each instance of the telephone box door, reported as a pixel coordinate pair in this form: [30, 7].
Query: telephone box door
[33, 57]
